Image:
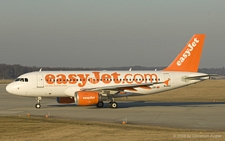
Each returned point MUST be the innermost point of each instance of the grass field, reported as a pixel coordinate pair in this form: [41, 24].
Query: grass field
[37, 128]
[5, 81]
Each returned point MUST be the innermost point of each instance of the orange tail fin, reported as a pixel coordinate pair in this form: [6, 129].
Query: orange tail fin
[189, 57]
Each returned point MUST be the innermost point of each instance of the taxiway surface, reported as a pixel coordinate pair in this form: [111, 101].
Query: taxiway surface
[191, 115]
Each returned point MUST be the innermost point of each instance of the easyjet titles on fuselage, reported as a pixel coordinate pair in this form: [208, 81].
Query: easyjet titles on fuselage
[96, 77]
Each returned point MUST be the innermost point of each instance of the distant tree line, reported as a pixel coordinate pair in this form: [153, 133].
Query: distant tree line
[13, 71]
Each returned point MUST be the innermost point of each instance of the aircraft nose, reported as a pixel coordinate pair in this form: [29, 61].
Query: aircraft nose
[13, 88]
[8, 88]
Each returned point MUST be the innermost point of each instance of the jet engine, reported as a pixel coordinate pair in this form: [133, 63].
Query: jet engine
[86, 98]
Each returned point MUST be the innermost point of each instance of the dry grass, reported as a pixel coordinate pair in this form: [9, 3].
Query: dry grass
[6, 81]
[37, 128]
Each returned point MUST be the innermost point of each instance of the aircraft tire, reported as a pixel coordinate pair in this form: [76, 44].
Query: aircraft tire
[38, 105]
[100, 104]
[114, 105]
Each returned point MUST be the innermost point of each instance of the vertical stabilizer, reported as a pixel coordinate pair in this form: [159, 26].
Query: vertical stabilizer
[189, 58]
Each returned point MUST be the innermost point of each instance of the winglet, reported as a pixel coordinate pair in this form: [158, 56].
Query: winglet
[189, 57]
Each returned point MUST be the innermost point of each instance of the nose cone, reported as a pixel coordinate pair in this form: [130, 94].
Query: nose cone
[8, 88]
[11, 88]
[15, 88]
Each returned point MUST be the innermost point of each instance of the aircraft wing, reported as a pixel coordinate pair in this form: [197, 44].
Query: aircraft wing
[116, 88]
[123, 87]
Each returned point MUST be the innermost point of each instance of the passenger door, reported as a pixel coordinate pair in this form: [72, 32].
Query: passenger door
[40, 81]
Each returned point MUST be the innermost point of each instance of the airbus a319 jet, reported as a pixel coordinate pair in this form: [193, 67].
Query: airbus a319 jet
[93, 87]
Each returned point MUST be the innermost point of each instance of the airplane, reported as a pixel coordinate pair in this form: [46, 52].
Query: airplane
[93, 87]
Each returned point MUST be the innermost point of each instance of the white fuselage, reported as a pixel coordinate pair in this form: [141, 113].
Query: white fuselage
[66, 83]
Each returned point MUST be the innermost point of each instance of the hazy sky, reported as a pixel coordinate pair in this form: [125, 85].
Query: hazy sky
[108, 33]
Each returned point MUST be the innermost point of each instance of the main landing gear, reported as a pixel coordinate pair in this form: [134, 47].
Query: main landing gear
[112, 104]
[38, 105]
[100, 104]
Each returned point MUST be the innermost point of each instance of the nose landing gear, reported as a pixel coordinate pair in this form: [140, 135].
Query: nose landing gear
[38, 105]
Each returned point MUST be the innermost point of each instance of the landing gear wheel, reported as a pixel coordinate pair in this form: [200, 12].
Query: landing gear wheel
[114, 105]
[38, 105]
[100, 104]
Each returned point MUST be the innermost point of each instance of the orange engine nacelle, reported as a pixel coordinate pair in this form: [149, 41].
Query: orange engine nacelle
[64, 100]
[87, 98]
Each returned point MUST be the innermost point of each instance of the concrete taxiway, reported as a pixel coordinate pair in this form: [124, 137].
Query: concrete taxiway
[191, 115]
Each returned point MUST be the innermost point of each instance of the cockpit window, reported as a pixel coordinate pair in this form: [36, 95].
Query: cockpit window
[17, 79]
[21, 79]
